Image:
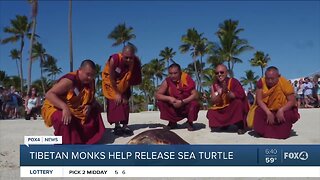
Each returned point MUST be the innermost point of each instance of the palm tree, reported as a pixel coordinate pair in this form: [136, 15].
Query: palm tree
[139, 102]
[15, 55]
[3, 77]
[50, 66]
[208, 77]
[42, 82]
[147, 88]
[158, 67]
[34, 12]
[250, 78]
[39, 52]
[167, 55]
[190, 69]
[121, 34]
[19, 29]
[194, 42]
[231, 45]
[260, 59]
[70, 36]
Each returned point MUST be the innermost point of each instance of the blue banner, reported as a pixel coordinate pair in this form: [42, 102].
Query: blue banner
[170, 155]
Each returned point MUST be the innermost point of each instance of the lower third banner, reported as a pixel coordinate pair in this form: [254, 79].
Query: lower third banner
[170, 155]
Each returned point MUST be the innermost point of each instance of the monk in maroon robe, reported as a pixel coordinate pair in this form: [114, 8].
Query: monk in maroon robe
[121, 71]
[230, 105]
[70, 107]
[177, 98]
[276, 109]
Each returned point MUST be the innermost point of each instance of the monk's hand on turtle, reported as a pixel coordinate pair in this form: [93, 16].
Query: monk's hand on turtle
[270, 117]
[66, 116]
[280, 115]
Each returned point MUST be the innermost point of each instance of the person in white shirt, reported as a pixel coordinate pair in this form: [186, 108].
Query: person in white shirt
[32, 104]
[308, 93]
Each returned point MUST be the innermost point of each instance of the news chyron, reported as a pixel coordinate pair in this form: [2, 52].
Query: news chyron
[46, 156]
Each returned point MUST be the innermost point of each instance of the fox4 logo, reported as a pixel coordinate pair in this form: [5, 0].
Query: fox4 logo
[303, 155]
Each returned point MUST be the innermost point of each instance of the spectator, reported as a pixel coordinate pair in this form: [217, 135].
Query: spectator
[32, 104]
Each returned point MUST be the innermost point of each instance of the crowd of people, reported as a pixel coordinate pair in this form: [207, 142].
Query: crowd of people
[307, 92]
[14, 104]
[71, 109]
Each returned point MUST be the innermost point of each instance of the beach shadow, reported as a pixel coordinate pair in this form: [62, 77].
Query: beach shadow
[108, 137]
[254, 134]
[226, 129]
[196, 126]
[135, 127]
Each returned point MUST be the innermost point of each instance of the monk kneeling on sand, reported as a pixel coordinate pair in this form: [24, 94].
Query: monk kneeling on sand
[276, 109]
[230, 105]
[70, 107]
[177, 98]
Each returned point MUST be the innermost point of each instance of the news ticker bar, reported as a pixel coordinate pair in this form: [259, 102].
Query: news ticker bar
[168, 171]
[170, 155]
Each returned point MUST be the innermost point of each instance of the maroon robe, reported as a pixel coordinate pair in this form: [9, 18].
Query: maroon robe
[80, 131]
[76, 133]
[120, 113]
[233, 113]
[179, 91]
[278, 130]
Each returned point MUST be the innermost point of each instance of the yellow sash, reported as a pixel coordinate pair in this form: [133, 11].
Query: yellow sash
[224, 97]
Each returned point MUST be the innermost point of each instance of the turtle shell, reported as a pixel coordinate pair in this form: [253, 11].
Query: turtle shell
[157, 136]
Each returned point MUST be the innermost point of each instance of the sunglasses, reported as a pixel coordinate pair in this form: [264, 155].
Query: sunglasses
[220, 72]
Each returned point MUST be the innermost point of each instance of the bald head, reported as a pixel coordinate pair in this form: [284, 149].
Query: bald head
[222, 66]
[129, 48]
[88, 62]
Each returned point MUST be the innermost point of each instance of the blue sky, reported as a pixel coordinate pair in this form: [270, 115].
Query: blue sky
[289, 31]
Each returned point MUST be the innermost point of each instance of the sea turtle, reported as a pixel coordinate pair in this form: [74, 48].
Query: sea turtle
[157, 136]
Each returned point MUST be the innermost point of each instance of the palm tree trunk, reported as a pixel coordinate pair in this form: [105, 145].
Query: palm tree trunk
[197, 73]
[34, 21]
[41, 75]
[70, 36]
[17, 67]
[20, 61]
[261, 71]
[201, 74]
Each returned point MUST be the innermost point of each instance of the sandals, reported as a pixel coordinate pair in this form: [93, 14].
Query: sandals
[127, 131]
[118, 131]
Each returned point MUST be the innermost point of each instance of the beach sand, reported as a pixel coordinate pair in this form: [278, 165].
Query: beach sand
[12, 132]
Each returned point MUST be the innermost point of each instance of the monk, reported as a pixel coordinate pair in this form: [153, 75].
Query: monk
[177, 98]
[121, 71]
[276, 110]
[230, 105]
[70, 107]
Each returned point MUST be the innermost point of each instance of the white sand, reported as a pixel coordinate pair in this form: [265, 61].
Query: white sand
[12, 132]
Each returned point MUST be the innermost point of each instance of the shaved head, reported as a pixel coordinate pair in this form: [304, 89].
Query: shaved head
[222, 66]
[88, 62]
[129, 48]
